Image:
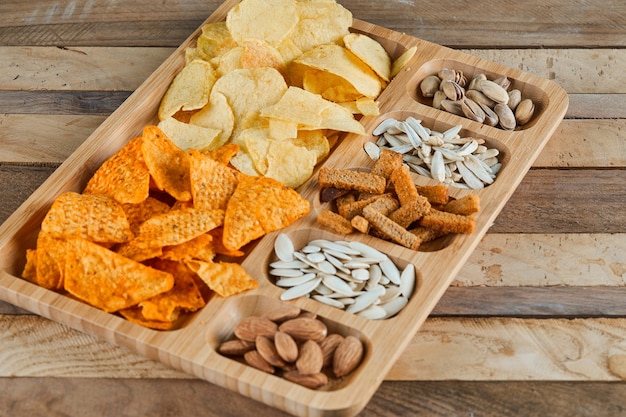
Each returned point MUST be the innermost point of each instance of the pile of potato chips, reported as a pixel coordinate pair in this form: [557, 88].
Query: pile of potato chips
[280, 79]
[142, 238]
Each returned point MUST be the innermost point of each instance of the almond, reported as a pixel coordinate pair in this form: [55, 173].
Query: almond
[347, 356]
[254, 359]
[267, 350]
[249, 328]
[283, 313]
[312, 381]
[285, 346]
[328, 345]
[310, 360]
[235, 347]
[304, 328]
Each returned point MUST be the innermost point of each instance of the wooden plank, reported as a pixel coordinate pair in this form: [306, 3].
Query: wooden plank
[74, 396]
[535, 23]
[468, 349]
[40, 138]
[66, 102]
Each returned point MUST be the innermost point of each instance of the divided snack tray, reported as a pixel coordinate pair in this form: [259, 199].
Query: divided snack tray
[192, 347]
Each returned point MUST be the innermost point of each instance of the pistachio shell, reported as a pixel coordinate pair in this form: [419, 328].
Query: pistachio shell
[430, 85]
[505, 116]
[452, 90]
[524, 111]
[515, 97]
[493, 91]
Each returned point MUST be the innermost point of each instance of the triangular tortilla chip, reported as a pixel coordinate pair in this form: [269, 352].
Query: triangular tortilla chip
[224, 278]
[212, 183]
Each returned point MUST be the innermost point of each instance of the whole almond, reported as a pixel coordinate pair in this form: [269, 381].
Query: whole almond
[310, 360]
[328, 345]
[267, 350]
[254, 359]
[282, 313]
[285, 346]
[312, 381]
[304, 328]
[235, 347]
[347, 356]
[249, 328]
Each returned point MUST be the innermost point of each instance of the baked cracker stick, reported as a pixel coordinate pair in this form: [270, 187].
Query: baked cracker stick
[349, 210]
[424, 234]
[385, 204]
[403, 184]
[386, 163]
[361, 224]
[467, 205]
[334, 222]
[390, 229]
[411, 212]
[436, 194]
[347, 179]
[448, 222]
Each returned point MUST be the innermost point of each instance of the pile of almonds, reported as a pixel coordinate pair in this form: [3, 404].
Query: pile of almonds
[479, 99]
[295, 344]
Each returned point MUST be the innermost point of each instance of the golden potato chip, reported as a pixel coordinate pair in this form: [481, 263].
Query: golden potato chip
[319, 23]
[223, 154]
[249, 90]
[189, 90]
[212, 183]
[371, 52]
[257, 143]
[190, 136]
[224, 278]
[94, 217]
[330, 86]
[167, 163]
[178, 226]
[367, 106]
[282, 129]
[134, 315]
[290, 164]
[184, 295]
[251, 54]
[258, 206]
[200, 247]
[217, 114]
[215, 40]
[402, 60]
[108, 280]
[266, 20]
[340, 61]
[244, 164]
[313, 140]
[139, 213]
[124, 177]
[312, 112]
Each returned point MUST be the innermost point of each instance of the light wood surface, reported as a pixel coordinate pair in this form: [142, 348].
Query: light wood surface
[538, 304]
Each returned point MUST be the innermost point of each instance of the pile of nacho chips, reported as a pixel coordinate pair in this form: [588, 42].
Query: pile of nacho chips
[280, 79]
[142, 239]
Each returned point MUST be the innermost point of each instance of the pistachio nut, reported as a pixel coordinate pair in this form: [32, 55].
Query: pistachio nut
[515, 96]
[524, 111]
[472, 110]
[479, 97]
[438, 98]
[430, 85]
[452, 106]
[506, 117]
[452, 90]
[493, 91]
[491, 118]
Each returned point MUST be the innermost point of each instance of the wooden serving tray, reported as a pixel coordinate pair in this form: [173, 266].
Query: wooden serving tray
[193, 347]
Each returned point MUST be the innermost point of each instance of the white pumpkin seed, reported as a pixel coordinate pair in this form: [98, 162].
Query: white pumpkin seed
[283, 247]
[300, 290]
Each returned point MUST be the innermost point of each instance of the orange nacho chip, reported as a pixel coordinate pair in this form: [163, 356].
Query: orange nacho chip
[212, 183]
[258, 206]
[200, 247]
[223, 154]
[50, 262]
[167, 163]
[134, 315]
[93, 217]
[108, 280]
[184, 296]
[224, 278]
[139, 213]
[124, 177]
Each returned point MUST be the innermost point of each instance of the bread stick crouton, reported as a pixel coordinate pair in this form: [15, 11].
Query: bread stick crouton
[436, 194]
[390, 229]
[448, 222]
[334, 222]
[386, 163]
[404, 185]
[347, 179]
[467, 205]
[411, 212]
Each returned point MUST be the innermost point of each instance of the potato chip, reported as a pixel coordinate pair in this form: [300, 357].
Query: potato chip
[217, 114]
[257, 143]
[184, 295]
[290, 164]
[340, 61]
[215, 40]
[402, 60]
[178, 226]
[190, 136]
[108, 280]
[94, 217]
[251, 54]
[266, 20]
[258, 206]
[367, 106]
[189, 90]
[224, 278]
[244, 164]
[329, 86]
[223, 154]
[139, 213]
[167, 163]
[320, 23]
[212, 183]
[250, 90]
[312, 112]
[371, 52]
[313, 140]
[124, 177]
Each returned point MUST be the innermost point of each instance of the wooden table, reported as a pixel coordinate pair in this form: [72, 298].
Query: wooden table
[534, 325]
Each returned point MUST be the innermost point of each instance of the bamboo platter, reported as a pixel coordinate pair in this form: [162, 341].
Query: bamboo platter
[193, 346]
